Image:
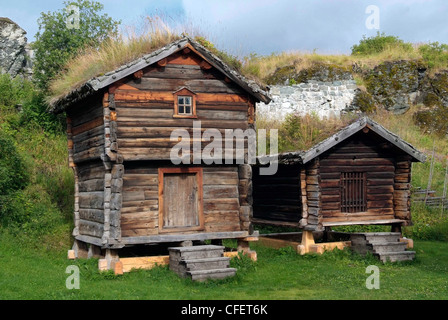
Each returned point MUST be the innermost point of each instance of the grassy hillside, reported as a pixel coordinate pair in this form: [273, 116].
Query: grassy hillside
[38, 209]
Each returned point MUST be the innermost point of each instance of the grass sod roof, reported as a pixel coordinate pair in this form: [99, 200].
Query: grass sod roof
[303, 157]
[59, 102]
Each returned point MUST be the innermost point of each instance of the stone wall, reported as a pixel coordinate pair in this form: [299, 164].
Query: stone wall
[325, 99]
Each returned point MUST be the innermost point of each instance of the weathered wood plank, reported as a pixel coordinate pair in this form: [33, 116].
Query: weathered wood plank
[94, 215]
[91, 185]
[167, 96]
[90, 228]
[226, 204]
[91, 200]
[196, 85]
[218, 192]
[88, 126]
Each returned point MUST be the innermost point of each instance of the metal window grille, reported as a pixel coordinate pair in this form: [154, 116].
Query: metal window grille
[353, 192]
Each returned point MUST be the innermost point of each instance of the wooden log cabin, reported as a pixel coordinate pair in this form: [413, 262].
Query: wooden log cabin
[359, 176]
[127, 190]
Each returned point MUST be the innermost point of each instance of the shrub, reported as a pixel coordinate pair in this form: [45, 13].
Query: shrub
[35, 111]
[379, 43]
[13, 172]
[30, 212]
[14, 91]
[434, 54]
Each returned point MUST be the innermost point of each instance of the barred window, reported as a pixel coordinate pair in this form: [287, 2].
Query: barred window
[353, 192]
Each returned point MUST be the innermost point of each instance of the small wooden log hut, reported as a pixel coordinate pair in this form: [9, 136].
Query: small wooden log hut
[361, 175]
[127, 190]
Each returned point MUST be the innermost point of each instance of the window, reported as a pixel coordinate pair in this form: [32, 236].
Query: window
[184, 104]
[353, 192]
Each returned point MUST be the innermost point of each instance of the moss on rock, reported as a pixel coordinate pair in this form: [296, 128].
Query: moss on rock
[319, 71]
[364, 102]
[281, 75]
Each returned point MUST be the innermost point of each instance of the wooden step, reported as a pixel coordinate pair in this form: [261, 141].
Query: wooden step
[396, 256]
[382, 247]
[214, 274]
[374, 237]
[199, 264]
[195, 252]
[385, 245]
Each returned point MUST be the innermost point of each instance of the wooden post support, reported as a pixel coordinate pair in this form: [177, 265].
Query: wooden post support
[102, 264]
[243, 246]
[94, 252]
[111, 257]
[118, 267]
[71, 255]
[79, 249]
[409, 243]
[307, 241]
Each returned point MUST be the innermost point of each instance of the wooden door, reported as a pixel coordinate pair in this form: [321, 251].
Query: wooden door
[180, 199]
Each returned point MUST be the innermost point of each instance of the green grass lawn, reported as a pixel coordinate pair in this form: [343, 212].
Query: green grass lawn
[278, 274]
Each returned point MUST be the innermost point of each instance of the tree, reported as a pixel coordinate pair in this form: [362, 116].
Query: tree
[59, 38]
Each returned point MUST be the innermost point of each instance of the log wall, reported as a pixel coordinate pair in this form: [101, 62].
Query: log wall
[314, 196]
[362, 153]
[87, 130]
[85, 135]
[140, 203]
[278, 197]
[90, 198]
[145, 106]
[402, 189]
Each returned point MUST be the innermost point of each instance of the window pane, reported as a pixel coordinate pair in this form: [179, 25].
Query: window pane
[188, 100]
[181, 109]
[187, 109]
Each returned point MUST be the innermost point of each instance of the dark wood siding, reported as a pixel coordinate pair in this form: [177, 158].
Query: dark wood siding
[277, 197]
[91, 199]
[402, 189]
[87, 130]
[366, 154]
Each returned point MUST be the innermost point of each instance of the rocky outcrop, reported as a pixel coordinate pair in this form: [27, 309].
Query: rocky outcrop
[329, 90]
[14, 50]
[396, 85]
